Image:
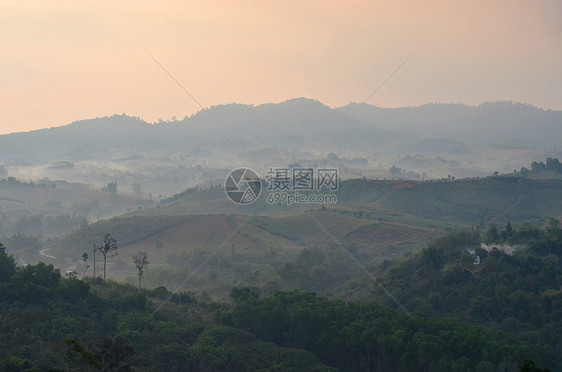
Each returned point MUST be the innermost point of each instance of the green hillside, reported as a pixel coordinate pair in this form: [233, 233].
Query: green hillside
[447, 202]
[469, 201]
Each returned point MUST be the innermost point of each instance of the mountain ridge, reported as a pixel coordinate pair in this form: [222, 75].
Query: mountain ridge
[475, 140]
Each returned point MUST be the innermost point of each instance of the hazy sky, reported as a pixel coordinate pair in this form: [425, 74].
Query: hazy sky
[62, 61]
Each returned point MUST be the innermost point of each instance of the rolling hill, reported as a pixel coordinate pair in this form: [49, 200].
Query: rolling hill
[229, 248]
[375, 220]
[445, 202]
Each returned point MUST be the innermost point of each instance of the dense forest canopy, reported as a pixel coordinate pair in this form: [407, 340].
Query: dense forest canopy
[497, 314]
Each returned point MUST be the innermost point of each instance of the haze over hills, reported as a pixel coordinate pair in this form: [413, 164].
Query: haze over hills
[436, 139]
[376, 220]
[287, 228]
[198, 240]
[385, 218]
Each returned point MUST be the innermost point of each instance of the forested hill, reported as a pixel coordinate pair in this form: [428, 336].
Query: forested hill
[49, 323]
[513, 285]
[66, 324]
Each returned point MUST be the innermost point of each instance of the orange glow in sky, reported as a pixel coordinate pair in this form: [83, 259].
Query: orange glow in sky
[62, 61]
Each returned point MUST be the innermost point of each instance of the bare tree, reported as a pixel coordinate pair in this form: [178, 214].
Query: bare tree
[85, 265]
[141, 260]
[95, 250]
[108, 249]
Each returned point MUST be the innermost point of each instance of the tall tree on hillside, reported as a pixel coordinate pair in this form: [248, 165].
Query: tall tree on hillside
[85, 265]
[141, 260]
[95, 250]
[108, 249]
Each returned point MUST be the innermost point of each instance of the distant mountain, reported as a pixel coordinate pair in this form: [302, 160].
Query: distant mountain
[92, 139]
[500, 123]
[295, 125]
[286, 132]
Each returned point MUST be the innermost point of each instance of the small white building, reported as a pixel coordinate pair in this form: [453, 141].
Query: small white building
[477, 260]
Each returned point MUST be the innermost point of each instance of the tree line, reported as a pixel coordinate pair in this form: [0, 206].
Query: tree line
[552, 164]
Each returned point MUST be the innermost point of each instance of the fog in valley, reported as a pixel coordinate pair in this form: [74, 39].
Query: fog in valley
[374, 204]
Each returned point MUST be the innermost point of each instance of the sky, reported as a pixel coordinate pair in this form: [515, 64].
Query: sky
[62, 61]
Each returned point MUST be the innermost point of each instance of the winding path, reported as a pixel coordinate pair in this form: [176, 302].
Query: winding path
[42, 253]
